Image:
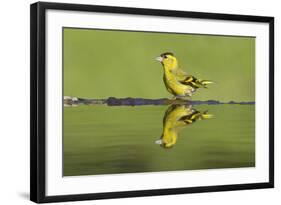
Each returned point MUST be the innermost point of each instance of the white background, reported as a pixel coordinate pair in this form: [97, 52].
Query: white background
[56, 185]
[14, 103]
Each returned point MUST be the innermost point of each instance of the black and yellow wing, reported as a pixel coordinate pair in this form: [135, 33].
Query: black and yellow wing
[194, 82]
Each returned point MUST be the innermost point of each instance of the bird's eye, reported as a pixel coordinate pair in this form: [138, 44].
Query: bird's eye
[165, 56]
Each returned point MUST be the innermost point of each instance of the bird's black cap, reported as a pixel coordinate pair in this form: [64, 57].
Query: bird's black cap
[166, 53]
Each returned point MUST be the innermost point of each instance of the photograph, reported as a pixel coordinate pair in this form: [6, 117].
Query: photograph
[142, 101]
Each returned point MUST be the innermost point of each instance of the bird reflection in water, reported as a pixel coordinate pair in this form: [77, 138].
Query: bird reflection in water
[177, 117]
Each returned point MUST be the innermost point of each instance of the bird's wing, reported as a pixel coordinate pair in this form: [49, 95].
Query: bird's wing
[190, 118]
[191, 81]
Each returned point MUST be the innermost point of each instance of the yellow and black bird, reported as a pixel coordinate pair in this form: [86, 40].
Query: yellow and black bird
[177, 81]
[176, 117]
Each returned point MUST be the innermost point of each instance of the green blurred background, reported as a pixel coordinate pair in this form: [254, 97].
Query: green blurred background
[103, 63]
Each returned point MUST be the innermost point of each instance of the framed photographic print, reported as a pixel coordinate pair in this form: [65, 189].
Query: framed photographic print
[129, 102]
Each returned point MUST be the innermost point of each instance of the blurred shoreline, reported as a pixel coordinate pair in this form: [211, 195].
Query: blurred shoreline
[112, 101]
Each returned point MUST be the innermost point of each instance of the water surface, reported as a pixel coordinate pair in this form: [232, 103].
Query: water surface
[103, 139]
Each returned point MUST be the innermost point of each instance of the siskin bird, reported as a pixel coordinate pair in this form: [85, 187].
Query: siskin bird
[175, 118]
[177, 81]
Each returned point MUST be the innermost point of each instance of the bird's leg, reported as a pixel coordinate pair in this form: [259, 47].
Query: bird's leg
[188, 95]
[187, 98]
[182, 98]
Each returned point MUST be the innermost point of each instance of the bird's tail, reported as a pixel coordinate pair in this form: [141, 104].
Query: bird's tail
[206, 115]
[205, 83]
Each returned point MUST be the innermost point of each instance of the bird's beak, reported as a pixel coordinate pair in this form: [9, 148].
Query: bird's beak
[158, 142]
[159, 58]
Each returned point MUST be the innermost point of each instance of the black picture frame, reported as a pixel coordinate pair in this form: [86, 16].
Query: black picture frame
[38, 101]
